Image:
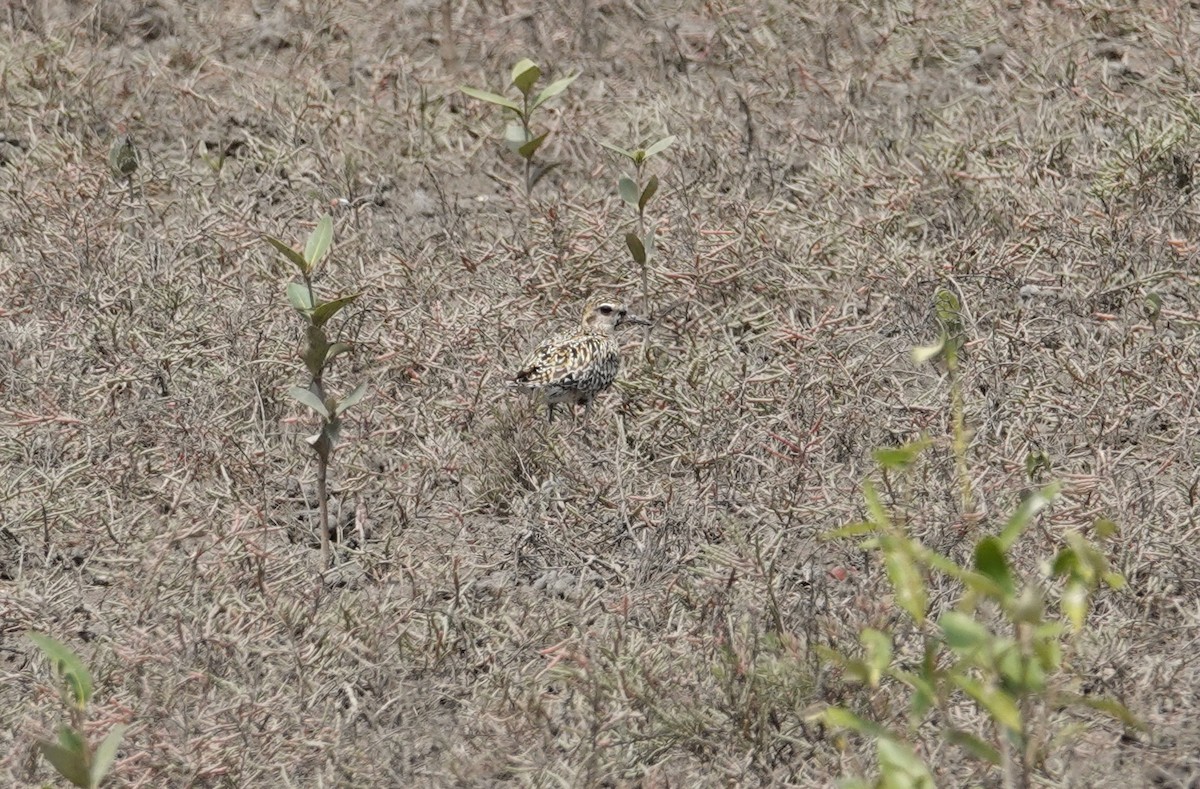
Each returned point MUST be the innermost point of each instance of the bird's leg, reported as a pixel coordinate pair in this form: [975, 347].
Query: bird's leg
[549, 412]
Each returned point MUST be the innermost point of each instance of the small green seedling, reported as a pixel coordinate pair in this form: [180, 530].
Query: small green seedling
[318, 354]
[71, 755]
[519, 135]
[637, 193]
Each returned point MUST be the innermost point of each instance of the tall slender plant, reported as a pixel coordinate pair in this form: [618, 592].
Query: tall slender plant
[519, 135]
[318, 354]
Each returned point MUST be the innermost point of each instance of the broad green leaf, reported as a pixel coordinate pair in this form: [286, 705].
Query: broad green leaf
[298, 296]
[1074, 603]
[948, 308]
[998, 704]
[991, 562]
[515, 136]
[524, 74]
[923, 353]
[491, 98]
[307, 398]
[351, 399]
[1114, 580]
[901, 457]
[906, 579]
[336, 350]
[290, 254]
[67, 665]
[71, 764]
[106, 753]
[530, 148]
[319, 241]
[322, 444]
[877, 648]
[1021, 675]
[923, 694]
[1105, 528]
[962, 633]
[878, 515]
[973, 745]
[617, 149]
[899, 766]
[628, 190]
[841, 718]
[322, 312]
[552, 90]
[1065, 563]
[648, 192]
[660, 146]
[635, 248]
[1033, 504]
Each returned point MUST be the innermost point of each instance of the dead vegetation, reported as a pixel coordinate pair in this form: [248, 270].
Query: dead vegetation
[638, 603]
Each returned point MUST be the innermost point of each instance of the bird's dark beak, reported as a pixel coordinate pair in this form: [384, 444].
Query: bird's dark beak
[638, 319]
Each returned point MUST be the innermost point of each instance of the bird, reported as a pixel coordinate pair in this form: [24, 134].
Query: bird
[575, 366]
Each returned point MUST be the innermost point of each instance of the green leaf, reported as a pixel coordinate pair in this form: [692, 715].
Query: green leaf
[106, 753]
[1033, 504]
[998, 704]
[635, 248]
[923, 353]
[524, 74]
[900, 767]
[290, 254]
[905, 577]
[878, 515]
[322, 312]
[1074, 603]
[923, 696]
[530, 148]
[648, 192]
[492, 98]
[324, 441]
[901, 457]
[973, 745]
[963, 633]
[1105, 528]
[319, 241]
[617, 149]
[351, 399]
[841, 718]
[991, 561]
[660, 146]
[307, 398]
[628, 190]
[515, 136]
[298, 296]
[877, 647]
[71, 764]
[337, 349]
[552, 90]
[67, 665]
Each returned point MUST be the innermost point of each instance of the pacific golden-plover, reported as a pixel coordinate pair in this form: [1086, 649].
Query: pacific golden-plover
[574, 367]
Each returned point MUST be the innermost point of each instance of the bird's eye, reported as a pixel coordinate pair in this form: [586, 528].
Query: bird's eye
[606, 309]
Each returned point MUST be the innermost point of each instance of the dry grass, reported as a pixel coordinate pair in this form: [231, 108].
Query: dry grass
[638, 602]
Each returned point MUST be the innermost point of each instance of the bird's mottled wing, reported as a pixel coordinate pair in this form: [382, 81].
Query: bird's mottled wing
[560, 360]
